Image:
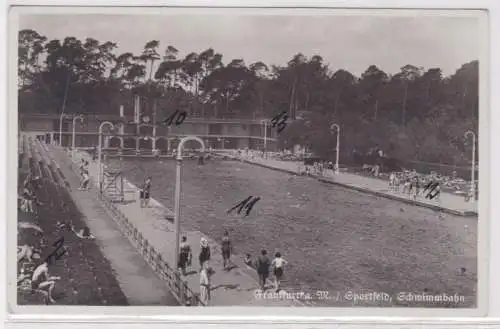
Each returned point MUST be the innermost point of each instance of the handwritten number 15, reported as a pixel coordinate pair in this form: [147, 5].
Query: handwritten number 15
[279, 121]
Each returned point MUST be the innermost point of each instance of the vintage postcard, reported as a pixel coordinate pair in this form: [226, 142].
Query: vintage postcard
[194, 159]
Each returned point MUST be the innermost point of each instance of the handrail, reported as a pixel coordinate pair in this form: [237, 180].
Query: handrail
[174, 281]
[129, 118]
[134, 135]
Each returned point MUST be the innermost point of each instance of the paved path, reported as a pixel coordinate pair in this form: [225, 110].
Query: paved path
[138, 282]
[229, 288]
[448, 202]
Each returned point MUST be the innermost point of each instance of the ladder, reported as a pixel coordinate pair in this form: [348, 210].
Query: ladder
[113, 186]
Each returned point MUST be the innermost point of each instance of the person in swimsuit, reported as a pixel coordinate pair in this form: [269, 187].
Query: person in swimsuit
[185, 256]
[85, 180]
[262, 265]
[204, 255]
[29, 198]
[145, 193]
[277, 264]
[248, 260]
[84, 233]
[42, 281]
[82, 167]
[226, 250]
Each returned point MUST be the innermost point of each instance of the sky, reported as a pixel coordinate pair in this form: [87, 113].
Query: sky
[351, 42]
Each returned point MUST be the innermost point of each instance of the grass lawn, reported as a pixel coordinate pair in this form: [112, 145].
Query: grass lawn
[86, 275]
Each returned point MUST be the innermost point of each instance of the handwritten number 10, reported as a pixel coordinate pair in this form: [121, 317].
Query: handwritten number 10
[178, 116]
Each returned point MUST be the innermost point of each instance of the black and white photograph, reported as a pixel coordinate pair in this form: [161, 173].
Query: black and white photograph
[181, 157]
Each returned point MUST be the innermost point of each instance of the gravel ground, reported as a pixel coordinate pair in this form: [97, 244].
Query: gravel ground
[335, 239]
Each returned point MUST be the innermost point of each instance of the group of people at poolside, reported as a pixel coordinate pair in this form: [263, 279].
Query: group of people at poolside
[410, 184]
[33, 270]
[263, 265]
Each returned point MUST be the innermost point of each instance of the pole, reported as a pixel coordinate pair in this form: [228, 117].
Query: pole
[337, 127]
[177, 208]
[177, 204]
[99, 153]
[79, 117]
[265, 136]
[99, 162]
[473, 166]
[63, 109]
[60, 128]
[337, 153]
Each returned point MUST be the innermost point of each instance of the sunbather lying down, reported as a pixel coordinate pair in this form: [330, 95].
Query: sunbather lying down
[84, 233]
[27, 253]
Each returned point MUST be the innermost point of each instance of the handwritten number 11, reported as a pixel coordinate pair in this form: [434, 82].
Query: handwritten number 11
[247, 204]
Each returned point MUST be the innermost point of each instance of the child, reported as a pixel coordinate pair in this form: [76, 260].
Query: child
[248, 260]
[277, 264]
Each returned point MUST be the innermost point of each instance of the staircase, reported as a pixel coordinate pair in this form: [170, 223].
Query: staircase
[113, 186]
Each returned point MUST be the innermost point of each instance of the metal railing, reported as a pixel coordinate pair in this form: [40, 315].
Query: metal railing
[130, 118]
[171, 276]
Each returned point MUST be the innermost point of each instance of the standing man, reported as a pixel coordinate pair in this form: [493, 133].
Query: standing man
[185, 256]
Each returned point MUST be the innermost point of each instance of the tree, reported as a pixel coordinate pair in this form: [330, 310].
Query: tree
[414, 114]
[150, 55]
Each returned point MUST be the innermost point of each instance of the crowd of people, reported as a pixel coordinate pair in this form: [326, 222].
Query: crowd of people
[262, 265]
[414, 185]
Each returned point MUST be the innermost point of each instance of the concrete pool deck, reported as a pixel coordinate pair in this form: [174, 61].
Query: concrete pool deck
[236, 287]
[448, 203]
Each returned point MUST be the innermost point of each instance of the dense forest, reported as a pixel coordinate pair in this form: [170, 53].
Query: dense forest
[416, 114]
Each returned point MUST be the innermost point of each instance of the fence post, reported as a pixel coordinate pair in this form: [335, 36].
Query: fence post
[122, 192]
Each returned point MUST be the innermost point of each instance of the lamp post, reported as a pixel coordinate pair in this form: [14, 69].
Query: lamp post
[177, 205]
[60, 127]
[337, 127]
[78, 117]
[99, 152]
[473, 167]
[265, 136]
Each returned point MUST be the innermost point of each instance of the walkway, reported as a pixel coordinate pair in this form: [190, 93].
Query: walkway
[236, 287]
[137, 281]
[449, 203]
